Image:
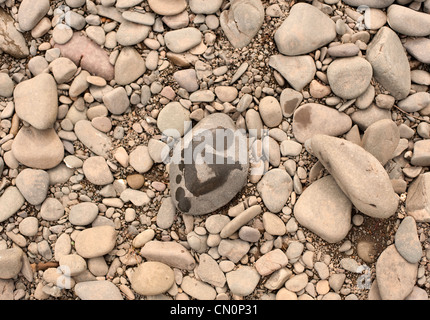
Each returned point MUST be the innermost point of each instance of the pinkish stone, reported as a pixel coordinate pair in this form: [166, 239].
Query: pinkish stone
[89, 55]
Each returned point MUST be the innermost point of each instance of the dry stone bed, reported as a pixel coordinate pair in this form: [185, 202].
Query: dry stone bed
[101, 103]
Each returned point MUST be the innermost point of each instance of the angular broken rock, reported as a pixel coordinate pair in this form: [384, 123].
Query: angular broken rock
[242, 21]
[358, 173]
[395, 276]
[298, 71]
[209, 166]
[325, 210]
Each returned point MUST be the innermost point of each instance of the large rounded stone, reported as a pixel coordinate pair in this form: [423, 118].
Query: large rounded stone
[304, 30]
[40, 149]
[395, 276]
[202, 182]
[325, 210]
[349, 77]
[152, 278]
[358, 173]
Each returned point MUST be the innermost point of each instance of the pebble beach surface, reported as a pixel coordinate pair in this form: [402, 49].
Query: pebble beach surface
[102, 102]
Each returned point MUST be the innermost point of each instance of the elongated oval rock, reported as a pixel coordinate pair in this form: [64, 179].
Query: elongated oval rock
[324, 209]
[10, 202]
[389, 62]
[243, 218]
[304, 30]
[407, 242]
[93, 139]
[95, 242]
[39, 149]
[312, 118]
[395, 276]
[171, 253]
[181, 40]
[201, 182]
[358, 173]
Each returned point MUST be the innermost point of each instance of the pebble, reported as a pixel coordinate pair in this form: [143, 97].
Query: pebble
[297, 282]
[324, 201]
[33, 185]
[273, 224]
[116, 100]
[140, 159]
[198, 289]
[418, 48]
[182, 40]
[29, 226]
[72, 264]
[51, 209]
[298, 70]
[6, 85]
[275, 188]
[349, 77]
[31, 12]
[171, 253]
[95, 140]
[166, 213]
[408, 21]
[97, 171]
[97, 290]
[271, 262]
[234, 250]
[83, 214]
[167, 8]
[270, 111]
[12, 41]
[129, 66]
[173, 120]
[242, 21]
[95, 242]
[243, 280]
[10, 262]
[204, 6]
[210, 272]
[130, 33]
[152, 278]
[10, 202]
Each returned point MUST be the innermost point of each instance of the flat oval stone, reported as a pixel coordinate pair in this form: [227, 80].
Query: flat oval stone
[97, 290]
[129, 66]
[349, 77]
[33, 185]
[167, 7]
[95, 242]
[174, 120]
[83, 214]
[39, 149]
[97, 171]
[325, 210]
[201, 183]
[406, 240]
[51, 210]
[152, 278]
[270, 111]
[369, 3]
[407, 21]
[181, 40]
[311, 119]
